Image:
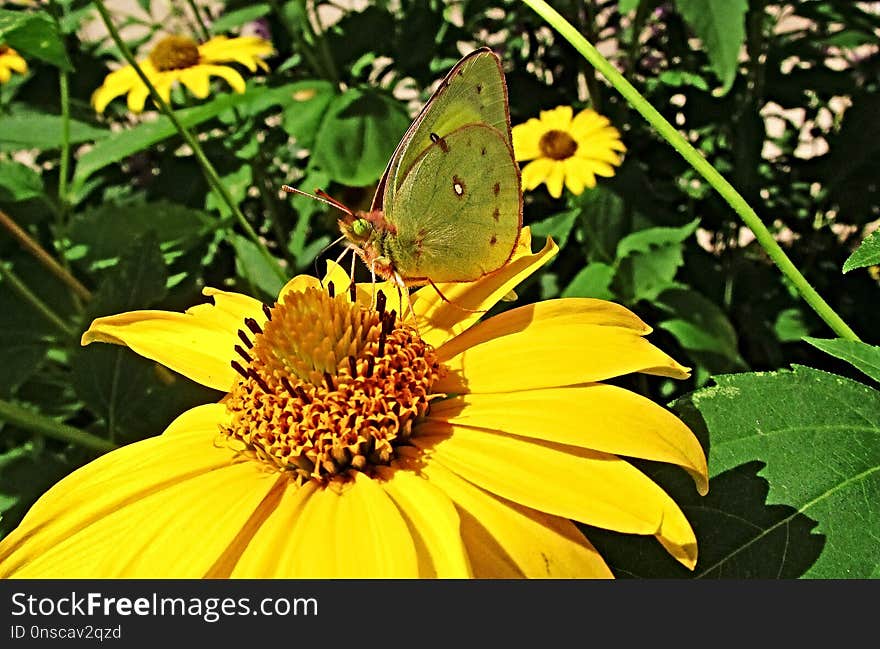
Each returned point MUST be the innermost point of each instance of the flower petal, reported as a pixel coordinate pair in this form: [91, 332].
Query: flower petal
[586, 122]
[536, 172]
[151, 493]
[555, 178]
[232, 77]
[439, 320]
[558, 118]
[600, 417]
[115, 84]
[527, 138]
[591, 487]
[550, 344]
[199, 343]
[246, 50]
[574, 178]
[348, 530]
[196, 79]
[433, 523]
[504, 539]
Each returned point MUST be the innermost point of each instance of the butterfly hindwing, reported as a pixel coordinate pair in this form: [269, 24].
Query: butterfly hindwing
[457, 212]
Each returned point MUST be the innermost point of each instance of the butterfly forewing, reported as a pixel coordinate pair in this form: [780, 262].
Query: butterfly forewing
[473, 92]
[457, 212]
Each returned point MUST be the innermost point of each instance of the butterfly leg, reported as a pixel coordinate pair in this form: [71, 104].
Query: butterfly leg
[401, 291]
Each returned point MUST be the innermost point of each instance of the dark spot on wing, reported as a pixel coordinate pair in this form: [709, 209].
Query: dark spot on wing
[479, 88]
[439, 141]
[496, 214]
[458, 186]
[496, 188]
[460, 72]
[483, 151]
[493, 240]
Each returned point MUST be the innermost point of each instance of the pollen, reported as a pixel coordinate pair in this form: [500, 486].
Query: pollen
[175, 53]
[557, 145]
[327, 386]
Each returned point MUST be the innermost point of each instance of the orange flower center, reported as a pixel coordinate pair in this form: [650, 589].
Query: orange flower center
[557, 145]
[175, 53]
[328, 386]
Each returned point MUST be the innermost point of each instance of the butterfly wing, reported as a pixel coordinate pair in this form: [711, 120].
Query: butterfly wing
[458, 209]
[474, 91]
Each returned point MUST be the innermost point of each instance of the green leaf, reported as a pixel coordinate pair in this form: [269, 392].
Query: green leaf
[28, 129]
[232, 19]
[861, 355]
[867, 254]
[34, 34]
[720, 25]
[790, 326]
[818, 436]
[19, 182]
[145, 135]
[702, 329]
[558, 226]
[98, 236]
[237, 183]
[306, 109]
[594, 280]
[625, 6]
[254, 268]
[358, 136]
[648, 261]
[26, 339]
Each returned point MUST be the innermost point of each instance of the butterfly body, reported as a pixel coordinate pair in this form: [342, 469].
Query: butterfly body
[449, 206]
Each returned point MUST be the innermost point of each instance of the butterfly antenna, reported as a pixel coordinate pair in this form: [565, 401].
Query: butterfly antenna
[453, 304]
[319, 195]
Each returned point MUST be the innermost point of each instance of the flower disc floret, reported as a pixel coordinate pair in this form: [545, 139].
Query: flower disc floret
[327, 386]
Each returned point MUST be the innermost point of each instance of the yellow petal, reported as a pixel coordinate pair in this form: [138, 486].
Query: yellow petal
[349, 531]
[245, 50]
[123, 515]
[196, 80]
[433, 523]
[588, 486]
[600, 417]
[504, 539]
[551, 344]
[5, 74]
[116, 83]
[232, 77]
[199, 343]
[536, 172]
[555, 178]
[586, 122]
[137, 97]
[15, 62]
[269, 552]
[439, 321]
[526, 139]
[558, 118]
[574, 179]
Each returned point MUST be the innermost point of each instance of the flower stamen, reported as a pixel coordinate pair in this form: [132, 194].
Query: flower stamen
[557, 145]
[175, 53]
[328, 386]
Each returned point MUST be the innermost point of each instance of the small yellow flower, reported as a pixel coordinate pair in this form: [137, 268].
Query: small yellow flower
[180, 58]
[10, 61]
[562, 149]
[350, 444]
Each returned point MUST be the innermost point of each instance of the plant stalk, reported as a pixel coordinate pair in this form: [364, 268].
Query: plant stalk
[37, 423]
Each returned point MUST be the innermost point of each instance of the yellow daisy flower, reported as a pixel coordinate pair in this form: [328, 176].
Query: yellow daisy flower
[565, 149]
[349, 444]
[10, 61]
[180, 58]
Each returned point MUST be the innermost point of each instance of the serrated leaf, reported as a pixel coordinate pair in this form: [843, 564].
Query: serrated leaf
[867, 254]
[35, 35]
[358, 136]
[27, 129]
[858, 354]
[818, 435]
[19, 182]
[720, 25]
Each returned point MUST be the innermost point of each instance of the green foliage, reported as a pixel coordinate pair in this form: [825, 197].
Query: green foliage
[779, 97]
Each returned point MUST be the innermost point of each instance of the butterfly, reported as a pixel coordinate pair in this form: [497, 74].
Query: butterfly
[449, 206]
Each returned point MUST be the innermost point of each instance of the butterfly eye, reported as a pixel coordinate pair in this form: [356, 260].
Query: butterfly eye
[361, 228]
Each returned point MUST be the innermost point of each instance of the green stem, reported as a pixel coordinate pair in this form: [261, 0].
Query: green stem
[64, 167]
[203, 28]
[8, 276]
[207, 168]
[704, 168]
[29, 420]
[40, 254]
